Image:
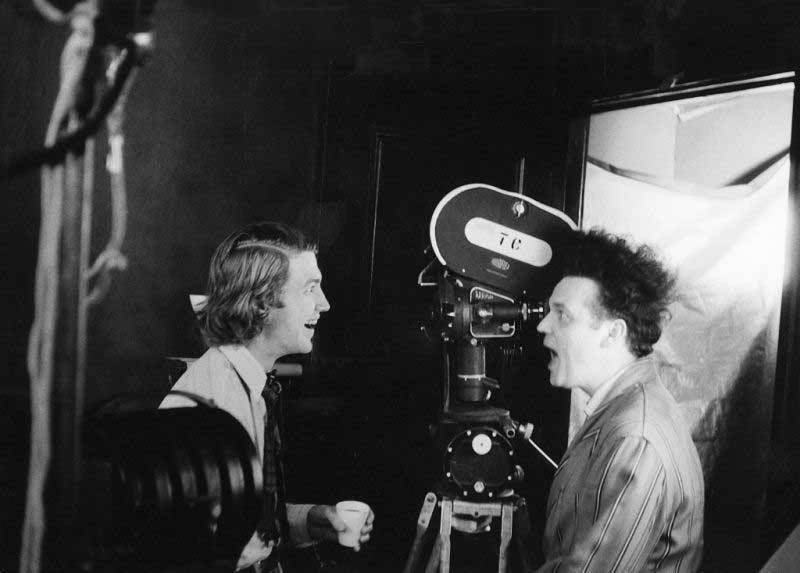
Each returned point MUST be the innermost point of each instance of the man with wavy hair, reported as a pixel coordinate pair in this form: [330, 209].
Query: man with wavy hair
[628, 493]
[264, 301]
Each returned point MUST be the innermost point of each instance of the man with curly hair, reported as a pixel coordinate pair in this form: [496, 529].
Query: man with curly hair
[628, 493]
[264, 301]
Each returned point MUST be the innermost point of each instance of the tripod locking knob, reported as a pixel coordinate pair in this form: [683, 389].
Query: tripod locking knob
[526, 430]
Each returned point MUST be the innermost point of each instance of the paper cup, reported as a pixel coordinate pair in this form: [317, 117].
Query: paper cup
[354, 514]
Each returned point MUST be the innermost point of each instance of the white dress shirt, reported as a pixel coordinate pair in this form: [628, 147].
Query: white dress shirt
[216, 375]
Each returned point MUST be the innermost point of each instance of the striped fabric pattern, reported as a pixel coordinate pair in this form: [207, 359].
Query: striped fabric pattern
[628, 494]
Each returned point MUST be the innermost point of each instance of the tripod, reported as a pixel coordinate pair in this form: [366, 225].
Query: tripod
[510, 510]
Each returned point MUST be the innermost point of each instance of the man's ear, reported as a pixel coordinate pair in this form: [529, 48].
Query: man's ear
[618, 330]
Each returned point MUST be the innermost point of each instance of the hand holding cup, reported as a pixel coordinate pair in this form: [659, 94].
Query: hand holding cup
[358, 517]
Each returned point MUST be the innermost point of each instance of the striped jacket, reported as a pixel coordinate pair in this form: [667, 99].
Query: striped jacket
[628, 494]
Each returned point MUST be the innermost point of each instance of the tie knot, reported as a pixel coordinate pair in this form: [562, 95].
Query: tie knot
[272, 388]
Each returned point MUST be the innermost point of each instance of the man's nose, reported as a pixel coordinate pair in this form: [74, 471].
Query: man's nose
[322, 302]
[543, 325]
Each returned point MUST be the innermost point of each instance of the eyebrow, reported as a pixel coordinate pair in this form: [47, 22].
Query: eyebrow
[560, 306]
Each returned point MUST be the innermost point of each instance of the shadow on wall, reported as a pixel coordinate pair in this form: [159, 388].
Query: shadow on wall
[737, 455]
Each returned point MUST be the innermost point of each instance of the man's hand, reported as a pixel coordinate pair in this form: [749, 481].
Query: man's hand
[324, 524]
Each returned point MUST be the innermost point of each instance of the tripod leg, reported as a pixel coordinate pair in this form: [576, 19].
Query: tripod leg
[424, 520]
[523, 537]
[444, 535]
[435, 557]
[506, 526]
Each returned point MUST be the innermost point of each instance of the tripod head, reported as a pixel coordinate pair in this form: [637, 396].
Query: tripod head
[496, 259]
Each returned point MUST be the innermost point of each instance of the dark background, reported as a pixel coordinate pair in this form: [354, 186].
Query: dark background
[350, 119]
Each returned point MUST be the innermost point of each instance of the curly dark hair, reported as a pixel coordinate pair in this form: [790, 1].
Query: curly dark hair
[634, 284]
[246, 278]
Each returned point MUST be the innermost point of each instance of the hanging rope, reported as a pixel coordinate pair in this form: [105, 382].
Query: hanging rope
[68, 142]
[51, 12]
[111, 258]
[41, 340]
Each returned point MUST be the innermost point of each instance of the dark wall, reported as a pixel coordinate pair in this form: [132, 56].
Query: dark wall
[222, 130]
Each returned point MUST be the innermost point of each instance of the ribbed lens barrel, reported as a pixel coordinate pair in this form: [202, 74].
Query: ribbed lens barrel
[186, 483]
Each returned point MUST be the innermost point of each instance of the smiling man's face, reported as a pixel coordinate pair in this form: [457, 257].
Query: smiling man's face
[290, 328]
[575, 335]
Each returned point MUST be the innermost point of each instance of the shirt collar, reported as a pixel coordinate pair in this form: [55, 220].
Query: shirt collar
[246, 365]
[614, 385]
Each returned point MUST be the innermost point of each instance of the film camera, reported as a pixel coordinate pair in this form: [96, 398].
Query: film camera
[496, 255]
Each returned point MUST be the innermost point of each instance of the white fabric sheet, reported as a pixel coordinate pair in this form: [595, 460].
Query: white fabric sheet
[728, 248]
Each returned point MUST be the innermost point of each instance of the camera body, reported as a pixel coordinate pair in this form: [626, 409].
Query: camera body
[496, 256]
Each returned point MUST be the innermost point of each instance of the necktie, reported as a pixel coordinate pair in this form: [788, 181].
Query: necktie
[274, 489]
[271, 394]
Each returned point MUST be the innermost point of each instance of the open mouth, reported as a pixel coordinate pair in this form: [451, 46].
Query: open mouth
[553, 356]
[311, 325]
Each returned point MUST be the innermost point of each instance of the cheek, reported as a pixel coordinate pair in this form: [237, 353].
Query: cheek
[584, 351]
[574, 351]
